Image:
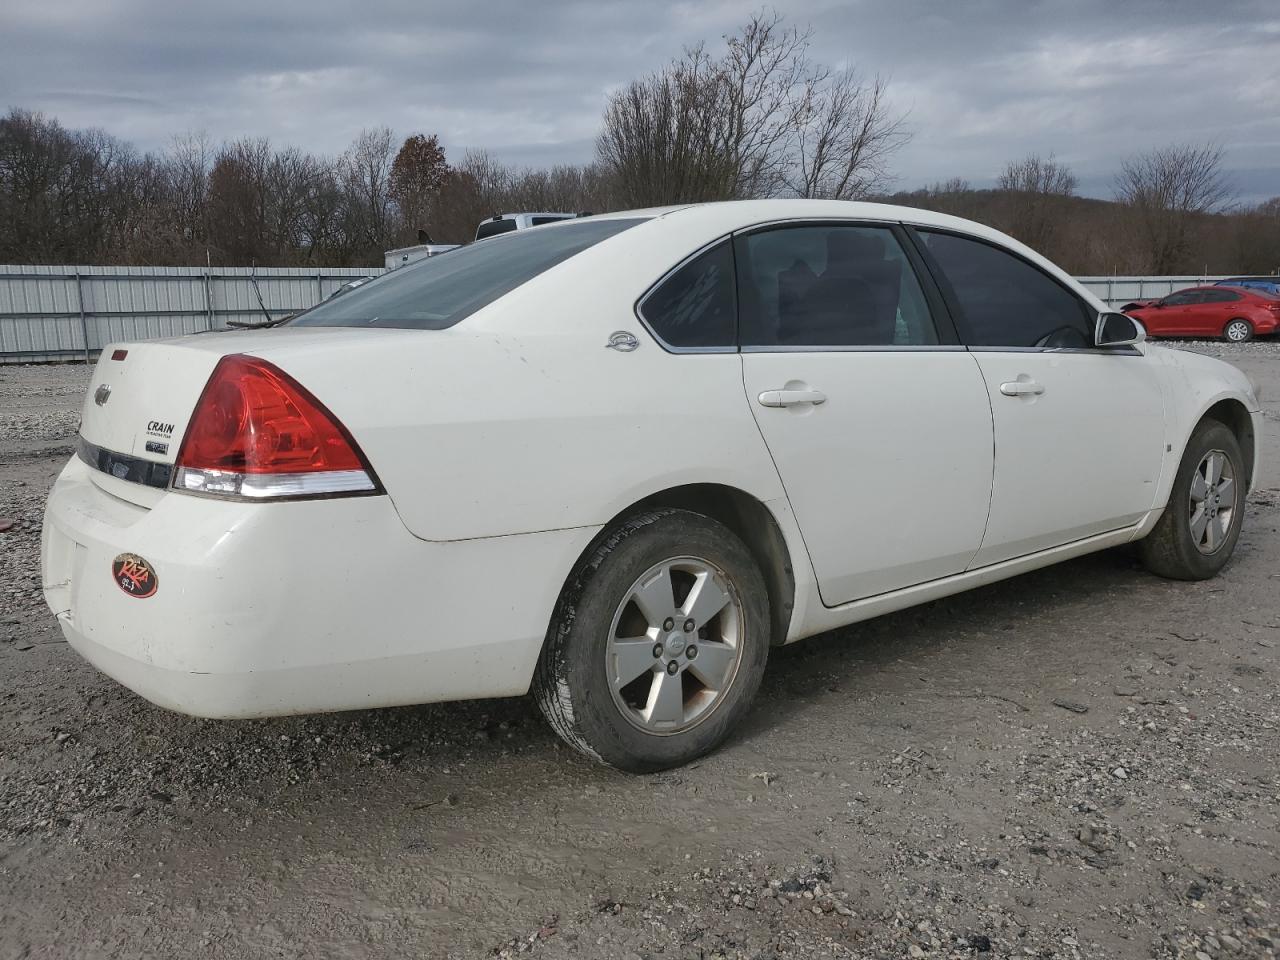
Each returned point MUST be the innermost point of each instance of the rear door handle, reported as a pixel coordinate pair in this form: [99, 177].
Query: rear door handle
[1022, 388]
[791, 398]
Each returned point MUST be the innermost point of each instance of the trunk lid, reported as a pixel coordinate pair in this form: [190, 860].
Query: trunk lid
[139, 405]
[141, 397]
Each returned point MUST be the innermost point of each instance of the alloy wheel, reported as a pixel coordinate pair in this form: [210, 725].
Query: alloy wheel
[675, 645]
[1237, 331]
[1212, 504]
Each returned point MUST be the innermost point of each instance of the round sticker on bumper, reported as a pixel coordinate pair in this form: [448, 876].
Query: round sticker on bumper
[134, 575]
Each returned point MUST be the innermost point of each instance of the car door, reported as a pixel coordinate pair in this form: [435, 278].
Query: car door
[1079, 431]
[1199, 316]
[877, 419]
[1189, 315]
[1217, 306]
[1168, 317]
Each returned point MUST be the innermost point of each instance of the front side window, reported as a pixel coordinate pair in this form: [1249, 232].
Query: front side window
[1003, 300]
[694, 307]
[440, 291]
[1182, 298]
[825, 285]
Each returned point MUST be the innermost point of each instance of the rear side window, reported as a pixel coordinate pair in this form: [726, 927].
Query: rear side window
[440, 291]
[695, 306]
[1220, 296]
[1005, 301]
[828, 285]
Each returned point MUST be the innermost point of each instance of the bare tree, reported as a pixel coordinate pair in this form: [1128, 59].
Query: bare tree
[366, 176]
[760, 120]
[1038, 175]
[1167, 189]
[1255, 238]
[1034, 189]
[845, 136]
[187, 170]
[238, 202]
[664, 137]
[768, 84]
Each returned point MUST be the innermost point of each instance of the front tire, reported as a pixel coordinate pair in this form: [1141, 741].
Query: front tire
[1238, 330]
[1199, 528]
[658, 643]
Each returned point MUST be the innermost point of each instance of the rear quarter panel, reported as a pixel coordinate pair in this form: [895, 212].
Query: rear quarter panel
[520, 419]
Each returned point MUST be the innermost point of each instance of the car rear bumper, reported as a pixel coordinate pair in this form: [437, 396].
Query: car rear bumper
[308, 606]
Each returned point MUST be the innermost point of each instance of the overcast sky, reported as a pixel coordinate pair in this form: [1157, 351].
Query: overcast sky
[981, 81]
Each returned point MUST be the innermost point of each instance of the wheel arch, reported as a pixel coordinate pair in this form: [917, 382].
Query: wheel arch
[746, 516]
[1234, 415]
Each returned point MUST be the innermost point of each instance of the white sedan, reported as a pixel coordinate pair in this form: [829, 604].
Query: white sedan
[615, 460]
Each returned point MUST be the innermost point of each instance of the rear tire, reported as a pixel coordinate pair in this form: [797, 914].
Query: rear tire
[657, 644]
[1238, 330]
[1200, 526]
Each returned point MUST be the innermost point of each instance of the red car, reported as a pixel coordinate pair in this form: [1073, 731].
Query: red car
[1234, 313]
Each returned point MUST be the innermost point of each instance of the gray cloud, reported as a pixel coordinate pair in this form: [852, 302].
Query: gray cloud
[981, 81]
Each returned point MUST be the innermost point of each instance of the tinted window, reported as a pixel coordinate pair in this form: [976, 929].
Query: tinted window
[829, 286]
[491, 228]
[694, 307]
[440, 291]
[1219, 296]
[539, 221]
[1004, 301]
[1178, 299]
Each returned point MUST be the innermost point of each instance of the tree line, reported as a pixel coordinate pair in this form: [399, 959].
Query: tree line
[756, 117]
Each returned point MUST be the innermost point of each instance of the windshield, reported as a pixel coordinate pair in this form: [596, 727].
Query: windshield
[440, 291]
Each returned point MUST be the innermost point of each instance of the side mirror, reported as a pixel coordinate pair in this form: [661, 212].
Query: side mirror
[1118, 330]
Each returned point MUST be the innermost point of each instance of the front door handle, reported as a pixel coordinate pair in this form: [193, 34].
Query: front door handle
[791, 398]
[1022, 388]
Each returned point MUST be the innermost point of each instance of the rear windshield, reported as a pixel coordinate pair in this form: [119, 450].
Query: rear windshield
[491, 228]
[440, 291]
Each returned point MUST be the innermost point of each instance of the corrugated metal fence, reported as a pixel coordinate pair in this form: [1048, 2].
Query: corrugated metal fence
[69, 313]
[1117, 291]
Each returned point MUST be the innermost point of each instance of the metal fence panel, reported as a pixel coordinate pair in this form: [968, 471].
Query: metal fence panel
[1117, 291]
[67, 313]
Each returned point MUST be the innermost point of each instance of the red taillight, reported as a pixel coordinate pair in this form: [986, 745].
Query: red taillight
[257, 432]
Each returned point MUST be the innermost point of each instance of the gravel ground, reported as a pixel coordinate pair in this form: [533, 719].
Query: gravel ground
[1078, 763]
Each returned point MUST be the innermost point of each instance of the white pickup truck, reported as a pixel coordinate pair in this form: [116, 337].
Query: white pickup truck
[506, 222]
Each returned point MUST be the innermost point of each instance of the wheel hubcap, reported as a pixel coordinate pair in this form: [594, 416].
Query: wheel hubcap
[1212, 502]
[675, 645]
[1237, 331]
